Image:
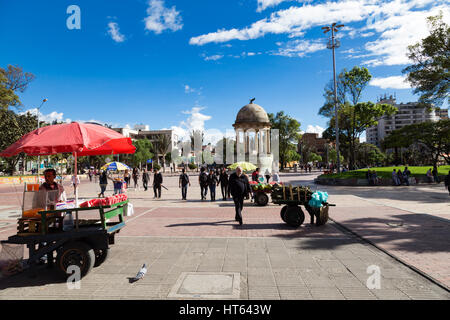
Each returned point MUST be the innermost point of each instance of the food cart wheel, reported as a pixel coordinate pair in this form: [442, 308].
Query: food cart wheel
[75, 253]
[283, 213]
[294, 216]
[261, 199]
[100, 256]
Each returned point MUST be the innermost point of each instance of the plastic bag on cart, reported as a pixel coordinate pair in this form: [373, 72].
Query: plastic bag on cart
[128, 210]
[11, 258]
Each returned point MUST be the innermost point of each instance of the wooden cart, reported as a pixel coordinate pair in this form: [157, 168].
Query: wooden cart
[85, 246]
[292, 213]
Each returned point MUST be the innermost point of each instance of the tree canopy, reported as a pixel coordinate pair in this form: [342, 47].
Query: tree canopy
[289, 129]
[429, 74]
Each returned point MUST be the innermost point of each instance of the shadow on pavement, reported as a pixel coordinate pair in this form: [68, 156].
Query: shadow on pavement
[44, 276]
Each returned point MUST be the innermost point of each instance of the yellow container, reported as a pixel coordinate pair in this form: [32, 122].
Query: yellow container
[32, 213]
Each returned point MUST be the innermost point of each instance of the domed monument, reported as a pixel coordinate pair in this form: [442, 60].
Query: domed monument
[252, 127]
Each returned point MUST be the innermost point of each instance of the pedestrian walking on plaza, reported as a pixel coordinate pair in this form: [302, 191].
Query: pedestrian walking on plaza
[435, 174]
[136, 177]
[255, 175]
[183, 183]
[75, 183]
[145, 179]
[267, 174]
[239, 188]
[157, 182]
[103, 183]
[203, 181]
[224, 184]
[213, 181]
[406, 174]
[90, 175]
[429, 176]
[400, 177]
[447, 182]
[310, 168]
[276, 177]
[127, 178]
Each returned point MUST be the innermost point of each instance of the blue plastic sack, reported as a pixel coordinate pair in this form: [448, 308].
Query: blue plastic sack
[317, 198]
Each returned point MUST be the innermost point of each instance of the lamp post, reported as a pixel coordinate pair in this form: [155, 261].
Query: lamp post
[333, 44]
[39, 158]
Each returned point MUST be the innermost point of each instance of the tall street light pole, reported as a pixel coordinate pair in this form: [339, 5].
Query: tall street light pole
[39, 158]
[333, 44]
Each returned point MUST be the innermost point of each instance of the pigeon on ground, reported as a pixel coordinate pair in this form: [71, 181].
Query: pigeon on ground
[140, 274]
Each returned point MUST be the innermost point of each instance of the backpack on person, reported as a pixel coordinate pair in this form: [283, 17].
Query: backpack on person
[184, 179]
[203, 179]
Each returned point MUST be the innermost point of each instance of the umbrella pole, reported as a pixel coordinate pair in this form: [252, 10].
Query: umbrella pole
[76, 184]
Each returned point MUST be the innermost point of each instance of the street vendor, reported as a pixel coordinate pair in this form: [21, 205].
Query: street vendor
[51, 185]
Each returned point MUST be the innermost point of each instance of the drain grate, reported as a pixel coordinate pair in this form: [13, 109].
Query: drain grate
[207, 285]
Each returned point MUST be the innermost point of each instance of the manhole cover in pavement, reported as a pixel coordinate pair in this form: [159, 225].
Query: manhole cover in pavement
[207, 285]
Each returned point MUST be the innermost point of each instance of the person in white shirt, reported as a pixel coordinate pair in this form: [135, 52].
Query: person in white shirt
[276, 178]
[51, 185]
[75, 183]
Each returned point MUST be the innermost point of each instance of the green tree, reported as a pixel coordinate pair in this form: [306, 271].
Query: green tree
[143, 152]
[288, 134]
[332, 155]
[430, 75]
[12, 81]
[434, 135]
[314, 157]
[162, 148]
[369, 155]
[13, 126]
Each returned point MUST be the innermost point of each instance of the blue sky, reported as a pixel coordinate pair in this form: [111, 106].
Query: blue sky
[192, 64]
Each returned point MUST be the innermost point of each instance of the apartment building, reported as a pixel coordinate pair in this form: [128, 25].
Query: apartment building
[408, 113]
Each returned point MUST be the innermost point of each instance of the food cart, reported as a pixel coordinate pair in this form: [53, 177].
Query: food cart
[47, 225]
[294, 197]
[84, 244]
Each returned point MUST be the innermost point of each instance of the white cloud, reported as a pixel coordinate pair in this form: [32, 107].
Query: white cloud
[114, 32]
[395, 24]
[195, 121]
[161, 18]
[50, 117]
[213, 57]
[394, 82]
[315, 129]
[264, 4]
[188, 89]
[299, 48]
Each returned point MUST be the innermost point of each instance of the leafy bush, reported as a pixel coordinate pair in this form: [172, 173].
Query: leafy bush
[192, 166]
[156, 166]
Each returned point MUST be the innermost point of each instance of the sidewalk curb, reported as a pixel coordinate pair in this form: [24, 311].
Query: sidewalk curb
[436, 282]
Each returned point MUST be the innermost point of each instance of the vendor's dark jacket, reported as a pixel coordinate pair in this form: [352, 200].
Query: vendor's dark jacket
[157, 179]
[239, 186]
[145, 177]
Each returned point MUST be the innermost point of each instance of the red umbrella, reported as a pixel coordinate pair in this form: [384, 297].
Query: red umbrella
[80, 139]
[84, 139]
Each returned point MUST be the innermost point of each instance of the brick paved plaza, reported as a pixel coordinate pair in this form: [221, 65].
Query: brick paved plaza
[272, 260]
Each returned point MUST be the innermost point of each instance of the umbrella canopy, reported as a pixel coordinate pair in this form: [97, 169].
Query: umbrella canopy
[115, 166]
[246, 166]
[84, 139]
[80, 139]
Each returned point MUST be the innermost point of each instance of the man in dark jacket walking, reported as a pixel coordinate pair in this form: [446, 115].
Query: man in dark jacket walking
[145, 179]
[183, 183]
[213, 181]
[203, 181]
[224, 184]
[239, 187]
[157, 182]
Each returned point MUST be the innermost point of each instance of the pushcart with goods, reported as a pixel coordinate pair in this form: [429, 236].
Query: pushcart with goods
[294, 197]
[84, 245]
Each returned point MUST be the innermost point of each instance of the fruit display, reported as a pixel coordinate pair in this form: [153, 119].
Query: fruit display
[301, 194]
